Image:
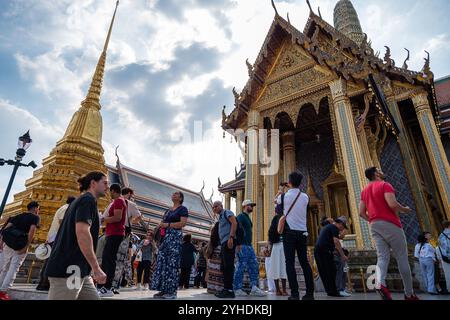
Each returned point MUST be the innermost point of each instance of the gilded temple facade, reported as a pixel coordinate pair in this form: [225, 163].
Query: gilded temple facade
[338, 108]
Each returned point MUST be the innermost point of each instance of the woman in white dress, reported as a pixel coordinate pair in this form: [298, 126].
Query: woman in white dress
[277, 269]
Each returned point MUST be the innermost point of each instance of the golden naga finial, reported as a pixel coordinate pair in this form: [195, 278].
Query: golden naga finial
[289, 20]
[236, 95]
[405, 65]
[274, 8]
[387, 57]
[309, 5]
[320, 14]
[426, 68]
[249, 67]
[224, 116]
[201, 191]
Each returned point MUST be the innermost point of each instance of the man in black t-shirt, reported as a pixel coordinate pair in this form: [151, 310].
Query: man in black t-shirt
[327, 243]
[73, 256]
[24, 224]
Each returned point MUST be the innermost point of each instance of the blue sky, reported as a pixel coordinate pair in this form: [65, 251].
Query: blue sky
[170, 63]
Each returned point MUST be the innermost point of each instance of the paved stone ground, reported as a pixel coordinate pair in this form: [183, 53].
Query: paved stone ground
[28, 292]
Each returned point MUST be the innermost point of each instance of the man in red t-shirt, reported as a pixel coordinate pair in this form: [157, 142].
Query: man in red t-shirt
[380, 207]
[115, 232]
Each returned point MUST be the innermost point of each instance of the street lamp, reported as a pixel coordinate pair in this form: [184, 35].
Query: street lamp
[22, 146]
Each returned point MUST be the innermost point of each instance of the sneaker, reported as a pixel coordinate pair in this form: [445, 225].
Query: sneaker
[308, 297]
[225, 294]
[115, 291]
[146, 286]
[169, 296]
[105, 293]
[4, 296]
[139, 287]
[158, 295]
[240, 293]
[384, 293]
[412, 298]
[335, 295]
[345, 294]
[257, 292]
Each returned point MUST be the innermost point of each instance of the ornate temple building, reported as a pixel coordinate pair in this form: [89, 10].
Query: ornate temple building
[80, 151]
[338, 108]
[153, 197]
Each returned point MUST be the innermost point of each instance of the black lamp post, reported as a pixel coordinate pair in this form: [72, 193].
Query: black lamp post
[22, 146]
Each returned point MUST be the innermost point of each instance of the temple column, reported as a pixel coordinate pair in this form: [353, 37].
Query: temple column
[239, 200]
[353, 159]
[435, 149]
[227, 201]
[270, 185]
[288, 141]
[252, 168]
[412, 172]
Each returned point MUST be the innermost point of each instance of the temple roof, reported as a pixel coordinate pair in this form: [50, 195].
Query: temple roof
[363, 61]
[237, 184]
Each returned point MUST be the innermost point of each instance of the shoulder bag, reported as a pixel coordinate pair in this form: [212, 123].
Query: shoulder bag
[282, 221]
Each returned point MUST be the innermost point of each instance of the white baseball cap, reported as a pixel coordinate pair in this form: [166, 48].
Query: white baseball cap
[43, 251]
[248, 203]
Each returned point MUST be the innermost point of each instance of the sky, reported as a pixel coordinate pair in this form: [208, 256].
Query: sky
[171, 66]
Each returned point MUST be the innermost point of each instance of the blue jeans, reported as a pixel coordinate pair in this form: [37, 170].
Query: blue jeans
[246, 260]
[427, 267]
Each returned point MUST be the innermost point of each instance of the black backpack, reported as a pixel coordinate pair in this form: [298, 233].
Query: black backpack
[14, 238]
[240, 233]
[274, 236]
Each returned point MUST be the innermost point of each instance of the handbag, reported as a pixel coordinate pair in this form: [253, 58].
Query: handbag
[282, 221]
[444, 258]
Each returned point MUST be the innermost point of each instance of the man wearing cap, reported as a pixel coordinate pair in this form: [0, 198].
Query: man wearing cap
[246, 257]
[327, 243]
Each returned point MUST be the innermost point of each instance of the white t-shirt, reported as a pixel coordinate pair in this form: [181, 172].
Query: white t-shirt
[297, 218]
[427, 251]
[56, 223]
[132, 212]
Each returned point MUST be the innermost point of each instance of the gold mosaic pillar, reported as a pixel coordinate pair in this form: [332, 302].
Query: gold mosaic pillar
[288, 140]
[435, 149]
[270, 187]
[252, 167]
[227, 201]
[239, 200]
[412, 172]
[353, 159]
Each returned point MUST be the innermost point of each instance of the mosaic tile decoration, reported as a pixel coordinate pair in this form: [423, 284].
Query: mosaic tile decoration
[392, 166]
[315, 159]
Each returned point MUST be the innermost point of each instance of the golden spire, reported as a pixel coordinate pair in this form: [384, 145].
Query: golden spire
[87, 123]
[93, 96]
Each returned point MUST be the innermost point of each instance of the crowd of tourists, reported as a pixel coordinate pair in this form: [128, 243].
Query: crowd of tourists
[94, 254]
